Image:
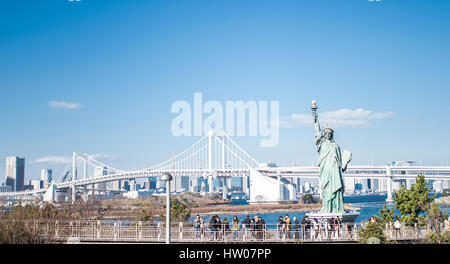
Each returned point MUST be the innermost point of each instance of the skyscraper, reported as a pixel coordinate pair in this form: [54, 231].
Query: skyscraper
[15, 173]
[46, 177]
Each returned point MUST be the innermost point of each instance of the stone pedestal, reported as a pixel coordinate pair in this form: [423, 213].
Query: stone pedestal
[346, 218]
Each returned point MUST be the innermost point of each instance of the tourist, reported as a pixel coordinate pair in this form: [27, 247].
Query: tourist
[235, 225]
[202, 228]
[447, 225]
[258, 227]
[280, 225]
[349, 231]
[197, 226]
[225, 228]
[305, 227]
[296, 228]
[329, 227]
[287, 220]
[322, 225]
[397, 226]
[213, 226]
[251, 228]
[218, 227]
[316, 228]
[246, 226]
[263, 228]
[338, 226]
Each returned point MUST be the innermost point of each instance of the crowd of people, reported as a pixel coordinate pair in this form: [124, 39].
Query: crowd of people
[220, 229]
[308, 228]
[255, 228]
[323, 228]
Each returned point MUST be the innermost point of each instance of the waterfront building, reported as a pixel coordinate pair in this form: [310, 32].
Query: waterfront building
[406, 183]
[152, 183]
[182, 185]
[236, 184]
[146, 185]
[375, 184]
[445, 184]
[113, 186]
[246, 185]
[307, 187]
[37, 184]
[349, 185]
[15, 173]
[437, 186]
[382, 185]
[100, 171]
[132, 183]
[46, 177]
[125, 186]
[5, 188]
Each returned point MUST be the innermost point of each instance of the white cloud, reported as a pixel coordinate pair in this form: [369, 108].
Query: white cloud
[65, 105]
[339, 118]
[102, 156]
[58, 160]
[55, 160]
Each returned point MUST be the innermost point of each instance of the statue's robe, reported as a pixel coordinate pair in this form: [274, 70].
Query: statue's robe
[331, 184]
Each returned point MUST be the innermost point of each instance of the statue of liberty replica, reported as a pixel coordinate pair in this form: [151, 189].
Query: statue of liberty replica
[332, 163]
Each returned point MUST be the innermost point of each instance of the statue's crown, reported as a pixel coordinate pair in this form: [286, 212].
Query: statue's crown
[328, 128]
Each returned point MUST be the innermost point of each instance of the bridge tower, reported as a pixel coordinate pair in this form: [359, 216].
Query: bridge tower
[389, 198]
[74, 175]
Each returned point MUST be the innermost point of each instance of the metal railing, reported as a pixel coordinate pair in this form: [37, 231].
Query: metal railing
[186, 232]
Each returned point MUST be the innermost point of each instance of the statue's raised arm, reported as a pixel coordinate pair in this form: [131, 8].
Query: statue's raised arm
[318, 136]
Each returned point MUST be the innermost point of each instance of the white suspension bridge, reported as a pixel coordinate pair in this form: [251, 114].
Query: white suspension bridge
[216, 155]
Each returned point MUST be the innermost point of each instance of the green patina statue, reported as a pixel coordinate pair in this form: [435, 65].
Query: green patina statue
[331, 165]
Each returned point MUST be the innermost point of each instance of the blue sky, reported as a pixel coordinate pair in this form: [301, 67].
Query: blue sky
[119, 66]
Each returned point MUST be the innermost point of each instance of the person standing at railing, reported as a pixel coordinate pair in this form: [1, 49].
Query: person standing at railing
[202, 228]
[235, 226]
[197, 226]
[349, 231]
[288, 222]
[251, 229]
[305, 227]
[212, 227]
[322, 225]
[246, 227]
[225, 228]
[296, 228]
[218, 228]
[397, 226]
[280, 225]
[337, 226]
[447, 225]
[263, 227]
[315, 229]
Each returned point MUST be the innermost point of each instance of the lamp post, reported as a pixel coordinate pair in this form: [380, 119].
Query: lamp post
[167, 178]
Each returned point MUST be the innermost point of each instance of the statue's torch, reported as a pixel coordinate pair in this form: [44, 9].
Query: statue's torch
[314, 107]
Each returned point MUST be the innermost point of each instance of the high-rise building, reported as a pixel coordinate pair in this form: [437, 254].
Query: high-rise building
[5, 188]
[113, 186]
[437, 186]
[349, 185]
[37, 184]
[246, 185]
[100, 171]
[46, 177]
[15, 173]
[152, 183]
[182, 184]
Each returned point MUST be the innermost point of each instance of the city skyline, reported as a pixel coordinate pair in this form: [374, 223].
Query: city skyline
[77, 78]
